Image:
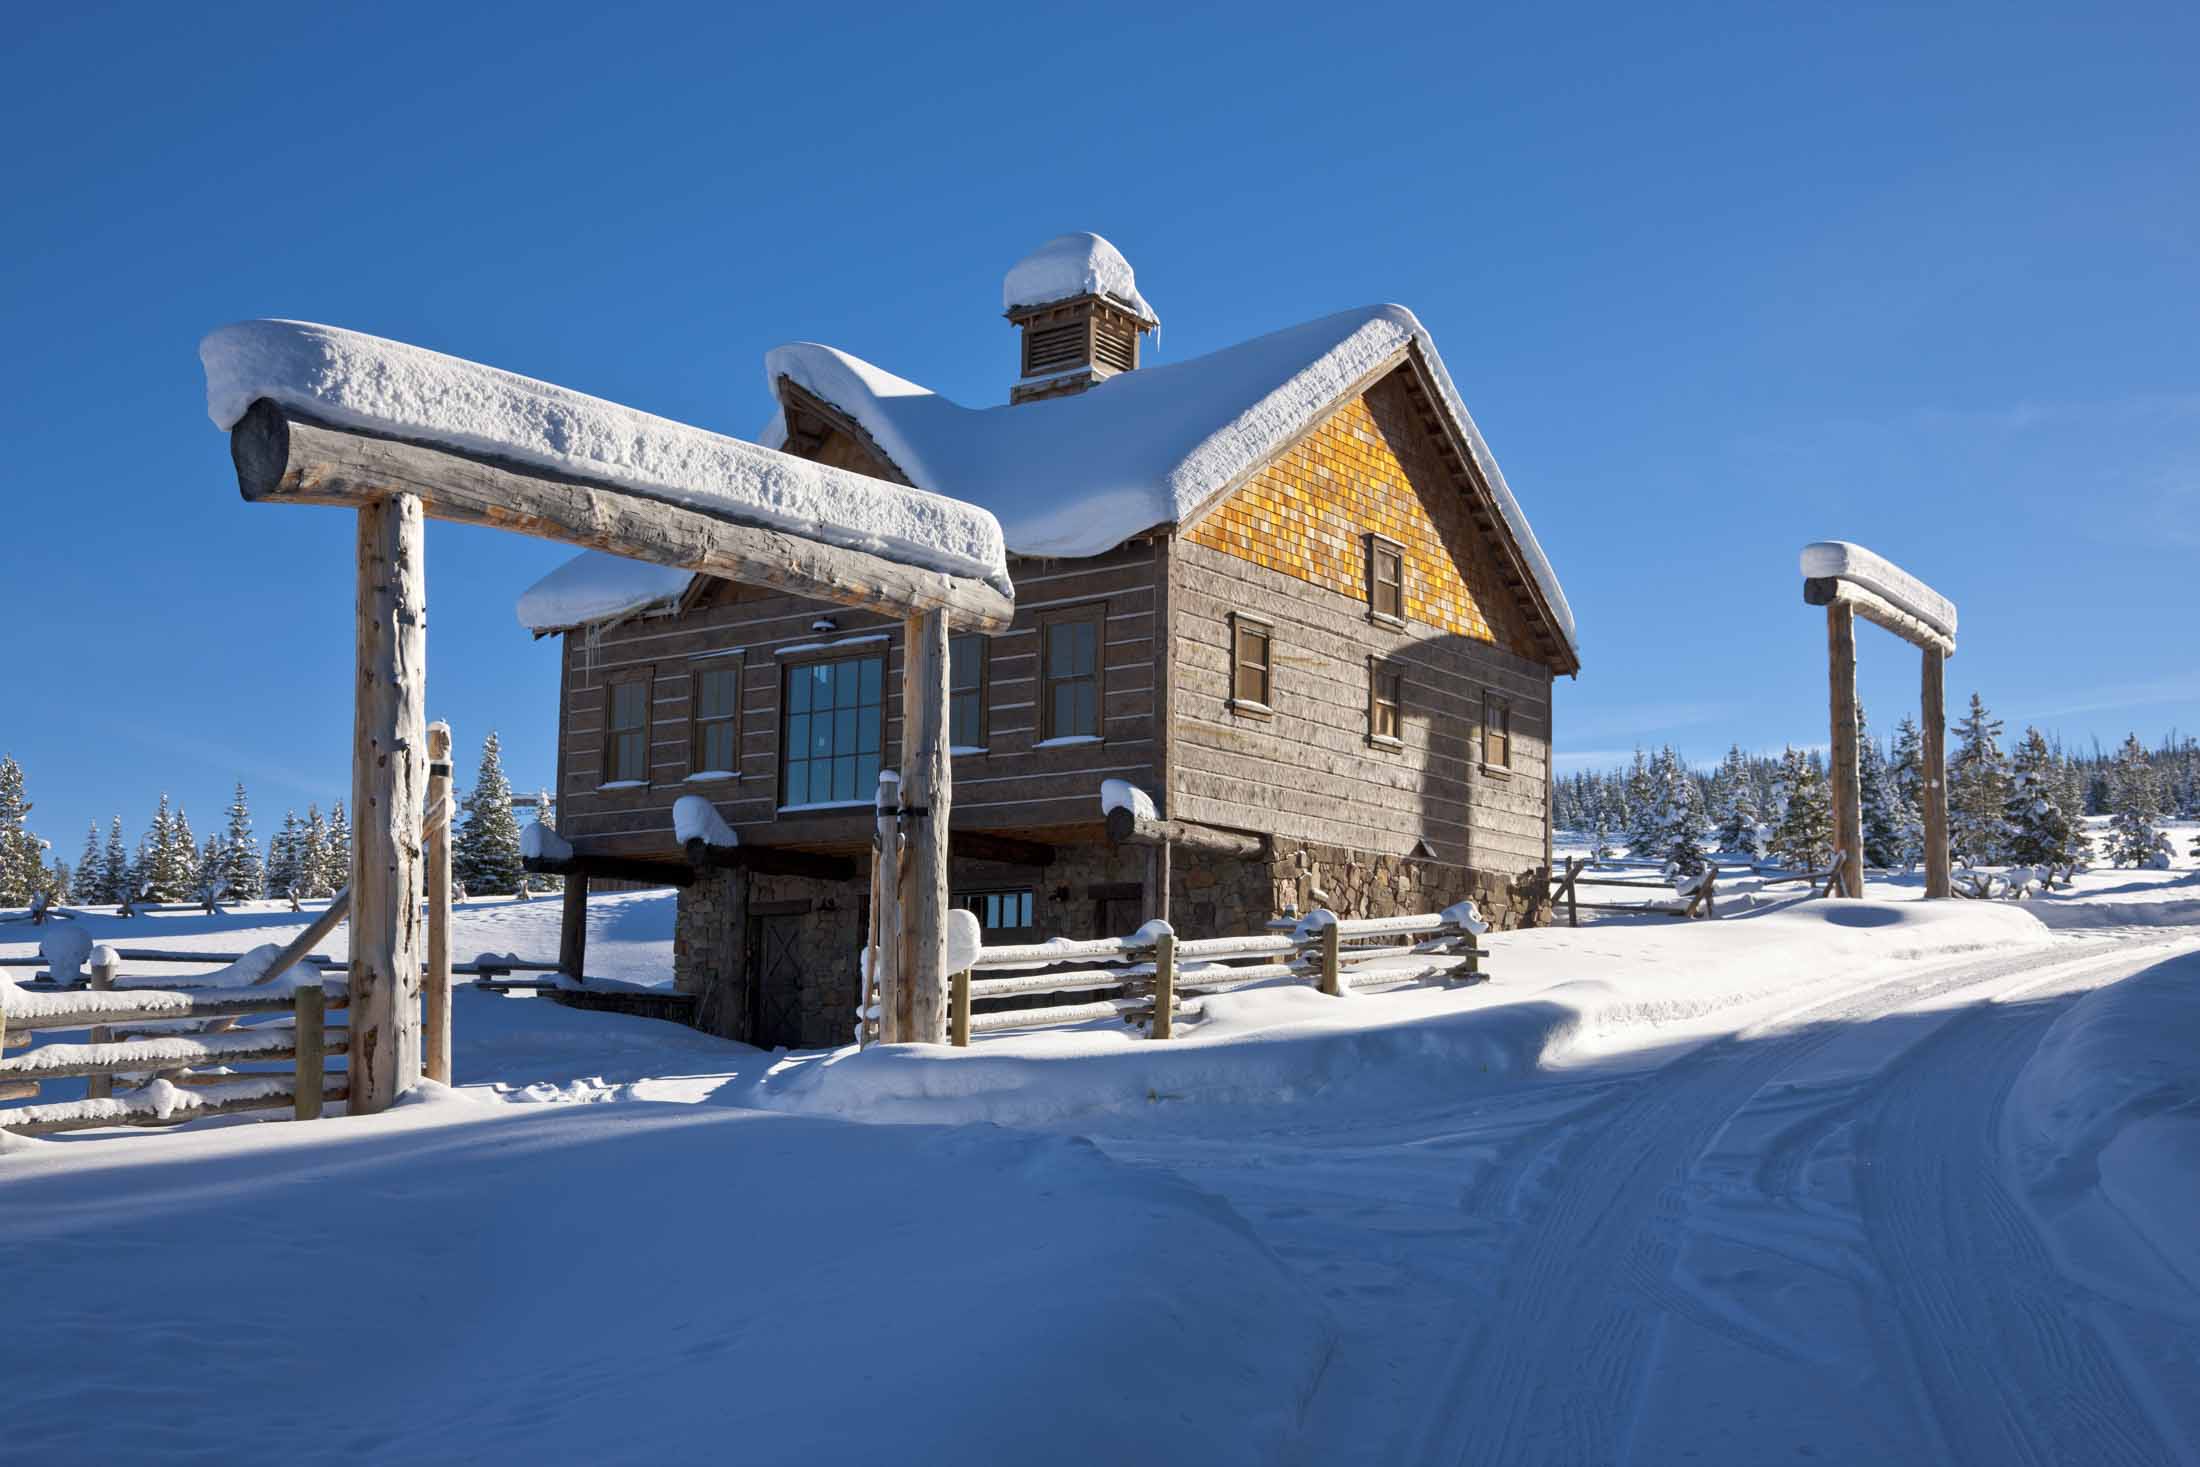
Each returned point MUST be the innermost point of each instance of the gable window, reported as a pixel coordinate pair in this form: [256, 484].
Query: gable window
[1070, 660]
[626, 731]
[1386, 579]
[1497, 721]
[966, 670]
[1252, 653]
[714, 713]
[1385, 700]
[831, 732]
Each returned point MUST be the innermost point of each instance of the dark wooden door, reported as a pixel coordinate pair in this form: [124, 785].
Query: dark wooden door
[775, 994]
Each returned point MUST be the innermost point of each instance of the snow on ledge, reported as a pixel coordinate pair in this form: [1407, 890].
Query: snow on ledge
[1121, 794]
[365, 383]
[539, 842]
[1840, 560]
[1069, 266]
[695, 818]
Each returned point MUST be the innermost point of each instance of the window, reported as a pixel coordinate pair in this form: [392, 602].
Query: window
[966, 668]
[832, 731]
[714, 709]
[1385, 697]
[626, 734]
[1071, 708]
[1252, 649]
[1386, 579]
[1006, 910]
[1497, 720]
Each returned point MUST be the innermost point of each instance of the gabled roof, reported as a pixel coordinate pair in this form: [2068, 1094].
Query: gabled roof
[1076, 476]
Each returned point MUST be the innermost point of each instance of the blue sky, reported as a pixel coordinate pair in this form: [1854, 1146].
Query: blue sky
[1715, 282]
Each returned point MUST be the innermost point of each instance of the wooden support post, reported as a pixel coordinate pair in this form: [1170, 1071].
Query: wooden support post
[1573, 891]
[388, 790]
[925, 798]
[436, 1038]
[886, 965]
[573, 927]
[1847, 781]
[1332, 968]
[1164, 986]
[1935, 718]
[312, 1015]
[101, 1087]
[959, 1021]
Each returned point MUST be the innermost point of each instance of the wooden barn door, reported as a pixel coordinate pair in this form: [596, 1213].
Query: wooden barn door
[775, 992]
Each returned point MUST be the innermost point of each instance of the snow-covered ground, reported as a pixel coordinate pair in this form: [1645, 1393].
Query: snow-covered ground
[1877, 1181]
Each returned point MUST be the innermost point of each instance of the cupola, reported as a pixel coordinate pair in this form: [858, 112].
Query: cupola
[1078, 305]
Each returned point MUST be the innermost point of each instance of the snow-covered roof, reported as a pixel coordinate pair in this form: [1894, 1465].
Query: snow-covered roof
[1076, 476]
[1069, 266]
[349, 380]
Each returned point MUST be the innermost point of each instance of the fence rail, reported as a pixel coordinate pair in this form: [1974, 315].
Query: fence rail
[1152, 970]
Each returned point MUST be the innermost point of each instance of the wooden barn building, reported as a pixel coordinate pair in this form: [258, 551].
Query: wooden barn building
[1277, 601]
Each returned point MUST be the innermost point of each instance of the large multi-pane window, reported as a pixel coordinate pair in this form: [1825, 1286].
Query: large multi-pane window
[966, 657]
[832, 731]
[1071, 661]
[1004, 910]
[715, 707]
[626, 732]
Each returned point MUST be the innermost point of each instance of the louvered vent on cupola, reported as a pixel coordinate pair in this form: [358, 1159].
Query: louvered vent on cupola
[1078, 306]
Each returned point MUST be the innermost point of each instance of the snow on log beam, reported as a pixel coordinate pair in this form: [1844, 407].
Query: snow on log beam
[284, 456]
[164, 1104]
[235, 1046]
[1128, 828]
[85, 1009]
[1881, 591]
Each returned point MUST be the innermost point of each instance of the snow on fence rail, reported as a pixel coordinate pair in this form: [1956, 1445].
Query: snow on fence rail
[1142, 978]
[170, 1092]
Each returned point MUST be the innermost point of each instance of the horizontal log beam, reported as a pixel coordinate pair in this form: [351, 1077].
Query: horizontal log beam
[610, 868]
[984, 845]
[769, 861]
[245, 1092]
[1125, 828]
[1878, 610]
[283, 457]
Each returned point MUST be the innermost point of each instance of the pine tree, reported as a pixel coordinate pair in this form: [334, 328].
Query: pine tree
[313, 857]
[485, 857]
[154, 875]
[60, 881]
[212, 885]
[22, 855]
[1978, 790]
[1888, 821]
[1741, 816]
[186, 857]
[2041, 830]
[2135, 803]
[282, 856]
[242, 868]
[114, 867]
[1803, 839]
[1600, 836]
[86, 876]
[1678, 829]
[336, 860]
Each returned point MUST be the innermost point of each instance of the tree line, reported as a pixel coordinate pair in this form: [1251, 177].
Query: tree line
[308, 857]
[2025, 806]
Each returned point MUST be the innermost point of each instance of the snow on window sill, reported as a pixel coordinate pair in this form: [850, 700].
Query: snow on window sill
[625, 784]
[817, 805]
[1066, 741]
[958, 750]
[1496, 771]
[706, 776]
[1251, 709]
[1386, 741]
[1384, 618]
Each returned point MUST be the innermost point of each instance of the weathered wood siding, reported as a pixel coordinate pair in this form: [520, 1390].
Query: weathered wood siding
[1011, 785]
[1288, 548]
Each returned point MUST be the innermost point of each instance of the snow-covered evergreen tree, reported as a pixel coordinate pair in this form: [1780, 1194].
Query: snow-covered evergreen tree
[313, 857]
[22, 855]
[154, 876]
[2135, 803]
[282, 855]
[1600, 836]
[1978, 790]
[336, 859]
[1803, 838]
[186, 857]
[1889, 824]
[60, 882]
[212, 884]
[1741, 816]
[2041, 831]
[114, 866]
[242, 869]
[85, 882]
[485, 856]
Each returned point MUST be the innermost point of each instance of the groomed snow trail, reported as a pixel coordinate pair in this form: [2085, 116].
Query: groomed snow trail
[1795, 1241]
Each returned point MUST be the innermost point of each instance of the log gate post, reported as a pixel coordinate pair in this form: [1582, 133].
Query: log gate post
[388, 786]
[1935, 716]
[436, 1043]
[101, 1087]
[925, 801]
[1843, 756]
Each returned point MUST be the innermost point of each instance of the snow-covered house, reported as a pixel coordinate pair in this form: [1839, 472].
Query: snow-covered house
[1280, 591]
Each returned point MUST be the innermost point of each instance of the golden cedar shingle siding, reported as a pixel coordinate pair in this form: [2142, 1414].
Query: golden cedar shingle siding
[1370, 468]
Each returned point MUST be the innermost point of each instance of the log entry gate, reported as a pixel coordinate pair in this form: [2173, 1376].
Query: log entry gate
[1850, 581]
[284, 456]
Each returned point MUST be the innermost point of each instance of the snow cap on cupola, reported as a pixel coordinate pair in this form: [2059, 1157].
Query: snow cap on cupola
[1076, 300]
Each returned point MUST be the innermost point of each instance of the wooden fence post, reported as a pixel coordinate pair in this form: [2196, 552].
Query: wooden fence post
[101, 1087]
[959, 1021]
[925, 792]
[1164, 985]
[436, 1040]
[1573, 891]
[1332, 967]
[312, 1040]
[1935, 758]
[1848, 794]
[388, 788]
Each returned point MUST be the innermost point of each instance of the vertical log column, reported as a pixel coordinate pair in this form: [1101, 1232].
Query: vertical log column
[924, 788]
[436, 1043]
[573, 927]
[388, 786]
[1935, 716]
[886, 913]
[1848, 788]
